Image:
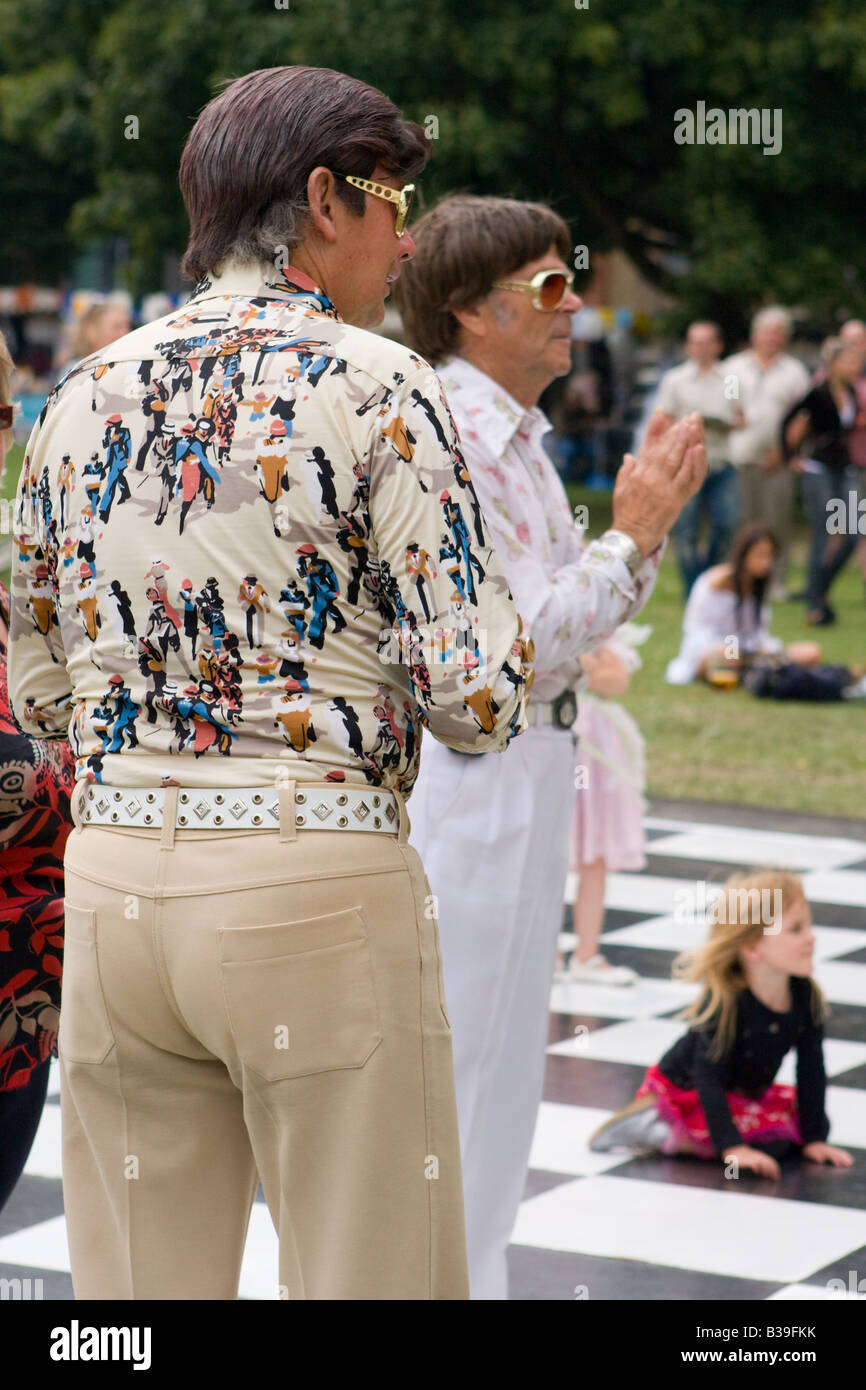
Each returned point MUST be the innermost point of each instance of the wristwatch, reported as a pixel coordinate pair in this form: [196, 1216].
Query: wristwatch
[627, 550]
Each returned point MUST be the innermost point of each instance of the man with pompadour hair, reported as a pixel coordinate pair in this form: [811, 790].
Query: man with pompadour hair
[488, 298]
[252, 974]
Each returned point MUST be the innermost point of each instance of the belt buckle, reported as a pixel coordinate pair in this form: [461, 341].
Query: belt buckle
[564, 710]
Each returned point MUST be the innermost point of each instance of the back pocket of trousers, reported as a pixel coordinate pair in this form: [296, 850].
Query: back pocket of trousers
[300, 996]
[85, 1031]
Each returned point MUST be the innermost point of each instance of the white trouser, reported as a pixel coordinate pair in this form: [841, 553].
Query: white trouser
[493, 833]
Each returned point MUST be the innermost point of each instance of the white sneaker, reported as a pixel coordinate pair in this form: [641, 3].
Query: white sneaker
[596, 971]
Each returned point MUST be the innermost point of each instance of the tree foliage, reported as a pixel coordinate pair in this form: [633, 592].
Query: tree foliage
[539, 100]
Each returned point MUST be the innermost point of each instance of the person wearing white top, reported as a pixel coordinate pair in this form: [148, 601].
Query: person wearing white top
[768, 381]
[699, 384]
[728, 615]
[488, 298]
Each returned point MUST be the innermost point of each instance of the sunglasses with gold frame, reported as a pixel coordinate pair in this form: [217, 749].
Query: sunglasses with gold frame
[402, 197]
[549, 288]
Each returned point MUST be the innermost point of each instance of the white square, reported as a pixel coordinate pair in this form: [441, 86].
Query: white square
[640, 1000]
[728, 1232]
[260, 1277]
[843, 982]
[639, 1043]
[729, 844]
[839, 1056]
[675, 933]
[44, 1159]
[847, 887]
[561, 1136]
[811, 1292]
[846, 1111]
[43, 1246]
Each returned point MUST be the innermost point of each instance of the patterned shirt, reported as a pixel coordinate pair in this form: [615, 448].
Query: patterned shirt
[245, 540]
[571, 595]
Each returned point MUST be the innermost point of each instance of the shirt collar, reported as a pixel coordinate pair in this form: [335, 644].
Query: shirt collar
[503, 415]
[696, 372]
[263, 281]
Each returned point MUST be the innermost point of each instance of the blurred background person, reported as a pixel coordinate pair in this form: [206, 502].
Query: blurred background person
[854, 332]
[578, 403]
[699, 384]
[100, 325]
[607, 834]
[36, 777]
[815, 441]
[728, 615]
[769, 381]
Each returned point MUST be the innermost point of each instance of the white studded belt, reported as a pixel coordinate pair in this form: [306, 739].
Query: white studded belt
[243, 808]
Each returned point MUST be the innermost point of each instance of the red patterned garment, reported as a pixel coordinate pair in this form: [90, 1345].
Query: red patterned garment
[36, 779]
[771, 1117]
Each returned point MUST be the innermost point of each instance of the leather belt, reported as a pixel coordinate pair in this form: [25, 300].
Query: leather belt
[560, 713]
[243, 808]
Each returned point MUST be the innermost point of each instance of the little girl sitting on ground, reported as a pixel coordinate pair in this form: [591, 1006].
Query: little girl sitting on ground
[713, 1094]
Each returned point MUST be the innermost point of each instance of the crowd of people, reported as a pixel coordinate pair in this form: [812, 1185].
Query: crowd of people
[268, 973]
[766, 423]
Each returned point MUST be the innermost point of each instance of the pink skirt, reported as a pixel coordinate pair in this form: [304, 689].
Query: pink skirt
[609, 804]
[772, 1117]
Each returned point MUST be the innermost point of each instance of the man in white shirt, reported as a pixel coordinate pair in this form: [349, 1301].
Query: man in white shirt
[699, 384]
[769, 381]
[489, 298]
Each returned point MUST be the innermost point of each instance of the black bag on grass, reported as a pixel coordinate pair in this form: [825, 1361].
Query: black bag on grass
[793, 682]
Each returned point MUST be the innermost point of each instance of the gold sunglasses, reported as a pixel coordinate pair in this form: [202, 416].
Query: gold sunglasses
[402, 197]
[548, 288]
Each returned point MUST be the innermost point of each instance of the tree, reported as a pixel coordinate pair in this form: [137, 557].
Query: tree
[576, 106]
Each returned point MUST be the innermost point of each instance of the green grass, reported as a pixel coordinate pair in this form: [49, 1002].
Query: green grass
[14, 459]
[716, 745]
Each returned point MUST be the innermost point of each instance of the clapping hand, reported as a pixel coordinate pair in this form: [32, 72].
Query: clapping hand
[653, 487]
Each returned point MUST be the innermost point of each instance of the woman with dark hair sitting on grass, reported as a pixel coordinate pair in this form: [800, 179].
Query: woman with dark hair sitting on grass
[727, 618]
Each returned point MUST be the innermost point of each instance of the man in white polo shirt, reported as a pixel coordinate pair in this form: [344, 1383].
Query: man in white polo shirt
[698, 384]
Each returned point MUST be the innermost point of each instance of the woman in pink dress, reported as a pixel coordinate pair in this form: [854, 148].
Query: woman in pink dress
[607, 827]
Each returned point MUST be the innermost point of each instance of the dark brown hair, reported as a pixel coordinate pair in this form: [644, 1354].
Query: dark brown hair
[245, 165]
[463, 245]
[746, 537]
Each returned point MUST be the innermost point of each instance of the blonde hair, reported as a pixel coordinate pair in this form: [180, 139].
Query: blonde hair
[748, 903]
[80, 343]
[831, 348]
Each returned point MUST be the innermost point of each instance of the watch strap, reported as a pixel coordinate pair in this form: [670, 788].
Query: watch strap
[627, 549]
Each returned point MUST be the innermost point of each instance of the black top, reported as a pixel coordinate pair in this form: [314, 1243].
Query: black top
[749, 1068]
[827, 438]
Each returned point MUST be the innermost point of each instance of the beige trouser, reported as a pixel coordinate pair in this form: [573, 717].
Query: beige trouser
[769, 497]
[265, 1003]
